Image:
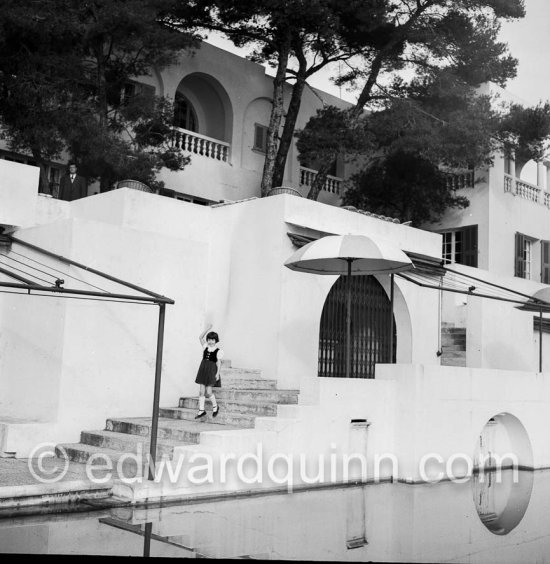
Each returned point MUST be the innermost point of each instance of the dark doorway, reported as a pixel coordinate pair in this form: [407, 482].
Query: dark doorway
[370, 329]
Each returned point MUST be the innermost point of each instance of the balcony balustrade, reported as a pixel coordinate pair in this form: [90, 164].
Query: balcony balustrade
[200, 144]
[459, 181]
[526, 190]
[333, 184]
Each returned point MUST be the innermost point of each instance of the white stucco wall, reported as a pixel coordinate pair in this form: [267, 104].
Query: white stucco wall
[221, 265]
[18, 190]
[499, 215]
[78, 362]
[245, 91]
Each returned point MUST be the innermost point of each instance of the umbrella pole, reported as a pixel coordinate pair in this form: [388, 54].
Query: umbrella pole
[540, 340]
[391, 320]
[348, 322]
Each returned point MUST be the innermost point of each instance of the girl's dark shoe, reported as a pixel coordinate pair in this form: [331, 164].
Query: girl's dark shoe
[215, 411]
[200, 414]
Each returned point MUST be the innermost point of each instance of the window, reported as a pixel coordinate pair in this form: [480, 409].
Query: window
[335, 168]
[53, 181]
[523, 256]
[460, 246]
[184, 114]
[132, 91]
[545, 262]
[260, 138]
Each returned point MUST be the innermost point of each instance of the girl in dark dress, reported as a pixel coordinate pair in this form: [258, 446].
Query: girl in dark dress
[208, 375]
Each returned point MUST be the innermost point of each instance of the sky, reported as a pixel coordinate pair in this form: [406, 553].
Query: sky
[526, 39]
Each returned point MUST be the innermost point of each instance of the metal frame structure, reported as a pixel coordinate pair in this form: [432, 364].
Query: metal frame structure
[144, 296]
[430, 272]
[470, 285]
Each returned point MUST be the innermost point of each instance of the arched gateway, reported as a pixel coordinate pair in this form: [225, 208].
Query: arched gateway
[370, 328]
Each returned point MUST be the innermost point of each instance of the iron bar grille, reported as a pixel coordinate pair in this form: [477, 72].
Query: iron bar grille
[370, 329]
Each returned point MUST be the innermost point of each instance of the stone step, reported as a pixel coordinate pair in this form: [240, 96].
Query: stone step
[453, 362]
[454, 347]
[248, 383]
[453, 330]
[453, 340]
[453, 335]
[123, 442]
[234, 407]
[454, 354]
[78, 452]
[261, 396]
[185, 431]
[241, 372]
[223, 418]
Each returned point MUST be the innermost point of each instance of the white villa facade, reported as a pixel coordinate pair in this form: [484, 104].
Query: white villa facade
[223, 104]
[67, 365]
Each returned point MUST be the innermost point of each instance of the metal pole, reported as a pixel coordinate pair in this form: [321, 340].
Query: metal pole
[540, 340]
[92, 270]
[147, 539]
[156, 396]
[348, 322]
[391, 318]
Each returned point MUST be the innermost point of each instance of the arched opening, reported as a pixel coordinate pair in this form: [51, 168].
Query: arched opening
[200, 101]
[370, 329]
[185, 115]
[501, 486]
[527, 171]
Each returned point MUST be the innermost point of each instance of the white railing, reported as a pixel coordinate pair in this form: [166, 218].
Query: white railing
[460, 180]
[200, 144]
[332, 184]
[508, 183]
[526, 190]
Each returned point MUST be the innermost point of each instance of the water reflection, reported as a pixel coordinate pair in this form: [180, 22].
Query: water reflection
[379, 522]
[147, 540]
[502, 498]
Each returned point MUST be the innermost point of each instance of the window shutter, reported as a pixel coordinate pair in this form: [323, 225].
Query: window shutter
[260, 137]
[545, 262]
[469, 244]
[519, 265]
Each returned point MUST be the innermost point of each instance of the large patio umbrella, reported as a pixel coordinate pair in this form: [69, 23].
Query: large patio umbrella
[349, 255]
[539, 302]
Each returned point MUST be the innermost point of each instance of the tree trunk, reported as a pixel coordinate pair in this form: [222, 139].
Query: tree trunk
[102, 104]
[354, 115]
[320, 179]
[43, 180]
[277, 110]
[290, 121]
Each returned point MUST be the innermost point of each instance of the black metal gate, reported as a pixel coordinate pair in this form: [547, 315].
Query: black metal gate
[370, 328]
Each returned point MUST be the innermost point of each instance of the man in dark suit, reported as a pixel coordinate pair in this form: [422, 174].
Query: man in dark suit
[72, 186]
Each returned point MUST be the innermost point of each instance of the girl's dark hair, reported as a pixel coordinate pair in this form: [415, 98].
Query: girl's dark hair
[213, 335]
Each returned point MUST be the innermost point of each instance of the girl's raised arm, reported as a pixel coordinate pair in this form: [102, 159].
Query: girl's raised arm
[202, 336]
